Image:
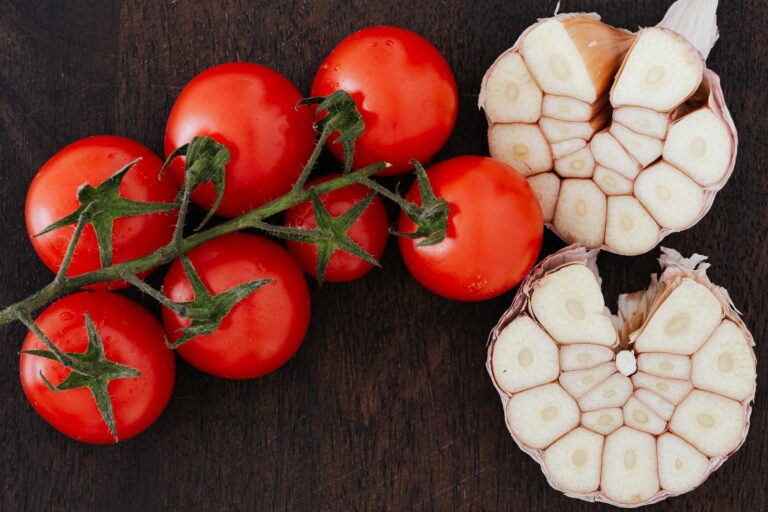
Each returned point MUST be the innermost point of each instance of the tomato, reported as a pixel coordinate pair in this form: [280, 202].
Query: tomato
[494, 231]
[369, 231]
[404, 90]
[130, 336]
[261, 332]
[52, 195]
[250, 109]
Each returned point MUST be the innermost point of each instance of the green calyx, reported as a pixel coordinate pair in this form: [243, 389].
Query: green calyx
[207, 311]
[431, 218]
[330, 234]
[205, 160]
[100, 206]
[90, 369]
[343, 117]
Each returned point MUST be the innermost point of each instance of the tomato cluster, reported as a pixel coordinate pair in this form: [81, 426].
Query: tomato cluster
[407, 96]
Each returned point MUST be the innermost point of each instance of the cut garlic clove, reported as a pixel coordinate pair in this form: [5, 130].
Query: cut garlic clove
[611, 182]
[541, 415]
[681, 466]
[571, 109]
[700, 144]
[712, 423]
[575, 57]
[669, 366]
[629, 229]
[660, 72]
[580, 212]
[629, 472]
[641, 417]
[603, 421]
[565, 148]
[671, 197]
[612, 392]
[643, 148]
[524, 356]
[671, 390]
[546, 188]
[609, 153]
[578, 382]
[574, 461]
[557, 130]
[582, 356]
[643, 121]
[511, 94]
[569, 305]
[725, 364]
[683, 321]
[576, 165]
[657, 404]
[522, 146]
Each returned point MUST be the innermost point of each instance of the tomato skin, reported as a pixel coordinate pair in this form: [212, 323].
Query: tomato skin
[494, 234]
[251, 109]
[404, 89]
[262, 332]
[52, 195]
[131, 336]
[369, 231]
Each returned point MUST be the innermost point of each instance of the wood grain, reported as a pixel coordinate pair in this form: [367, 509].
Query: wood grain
[387, 406]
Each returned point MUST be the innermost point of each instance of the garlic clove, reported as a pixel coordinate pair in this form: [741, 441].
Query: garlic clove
[578, 382]
[683, 322]
[712, 423]
[700, 144]
[629, 229]
[660, 72]
[583, 356]
[725, 364]
[603, 421]
[629, 472]
[574, 461]
[524, 356]
[569, 305]
[580, 212]
[511, 94]
[671, 197]
[576, 165]
[521, 146]
[541, 415]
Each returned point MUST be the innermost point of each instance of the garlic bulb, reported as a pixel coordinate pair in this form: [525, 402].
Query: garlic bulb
[624, 137]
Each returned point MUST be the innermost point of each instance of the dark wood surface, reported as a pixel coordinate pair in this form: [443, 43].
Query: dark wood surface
[387, 405]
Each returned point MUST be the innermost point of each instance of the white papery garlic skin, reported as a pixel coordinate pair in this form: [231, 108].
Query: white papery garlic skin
[619, 414]
[637, 114]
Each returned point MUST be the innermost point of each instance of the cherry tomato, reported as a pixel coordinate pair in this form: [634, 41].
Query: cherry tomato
[404, 89]
[369, 231]
[130, 336]
[252, 110]
[494, 231]
[53, 195]
[261, 332]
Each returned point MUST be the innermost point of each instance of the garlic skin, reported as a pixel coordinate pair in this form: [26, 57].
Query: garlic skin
[689, 410]
[612, 106]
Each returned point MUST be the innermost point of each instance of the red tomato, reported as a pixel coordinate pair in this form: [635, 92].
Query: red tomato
[494, 232]
[131, 336]
[261, 332]
[53, 195]
[404, 89]
[251, 109]
[369, 231]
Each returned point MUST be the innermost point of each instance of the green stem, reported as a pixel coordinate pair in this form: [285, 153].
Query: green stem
[26, 319]
[158, 296]
[82, 221]
[172, 251]
[178, 232]
[403, 203]
[327, 130]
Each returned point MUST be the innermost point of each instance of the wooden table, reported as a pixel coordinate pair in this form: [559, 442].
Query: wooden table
[387, 406]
